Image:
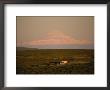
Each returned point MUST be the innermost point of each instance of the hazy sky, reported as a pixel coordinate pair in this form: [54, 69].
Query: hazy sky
[67, 32]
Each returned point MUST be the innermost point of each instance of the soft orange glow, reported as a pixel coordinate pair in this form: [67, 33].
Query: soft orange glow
[57, 38]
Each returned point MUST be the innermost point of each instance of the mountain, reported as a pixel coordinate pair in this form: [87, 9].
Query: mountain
[25, 48]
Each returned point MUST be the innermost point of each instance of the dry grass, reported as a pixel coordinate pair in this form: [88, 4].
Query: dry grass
[38, 61]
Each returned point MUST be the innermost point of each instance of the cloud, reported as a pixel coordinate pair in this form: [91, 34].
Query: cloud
[57, 38]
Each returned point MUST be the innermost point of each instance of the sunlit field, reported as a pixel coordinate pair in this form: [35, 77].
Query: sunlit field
[54, 61]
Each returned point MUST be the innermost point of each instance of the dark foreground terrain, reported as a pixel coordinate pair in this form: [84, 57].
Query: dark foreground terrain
[54, 61]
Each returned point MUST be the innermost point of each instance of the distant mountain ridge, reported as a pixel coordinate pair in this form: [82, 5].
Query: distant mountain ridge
[25, 48]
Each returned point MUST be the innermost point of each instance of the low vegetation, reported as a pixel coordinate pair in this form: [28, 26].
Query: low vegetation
[54, 61]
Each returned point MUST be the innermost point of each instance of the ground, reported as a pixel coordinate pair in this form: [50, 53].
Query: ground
[46, 61]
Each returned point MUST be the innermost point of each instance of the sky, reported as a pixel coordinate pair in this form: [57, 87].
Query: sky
[55, 32]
